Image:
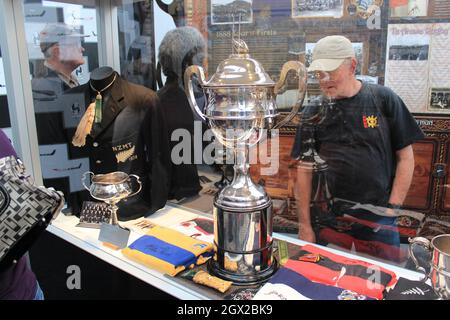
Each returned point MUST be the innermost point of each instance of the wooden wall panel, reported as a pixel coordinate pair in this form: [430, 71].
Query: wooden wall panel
[277, 185]
[420, 192]
[445, 205]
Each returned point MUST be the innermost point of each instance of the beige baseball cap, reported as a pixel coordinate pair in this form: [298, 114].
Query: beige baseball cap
[330, 52]
[54, 33]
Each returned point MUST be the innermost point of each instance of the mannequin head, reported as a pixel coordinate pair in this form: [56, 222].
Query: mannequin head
[102, 77]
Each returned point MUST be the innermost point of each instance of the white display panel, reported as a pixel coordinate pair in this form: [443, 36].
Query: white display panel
[2, 79]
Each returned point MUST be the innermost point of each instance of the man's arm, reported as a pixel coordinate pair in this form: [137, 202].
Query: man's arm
[302, 192]
[403, 175]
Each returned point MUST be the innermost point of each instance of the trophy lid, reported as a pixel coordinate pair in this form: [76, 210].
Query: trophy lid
[240, 70]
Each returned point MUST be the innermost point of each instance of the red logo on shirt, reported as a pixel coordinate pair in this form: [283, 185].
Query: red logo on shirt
[370, 122]
[365, 122]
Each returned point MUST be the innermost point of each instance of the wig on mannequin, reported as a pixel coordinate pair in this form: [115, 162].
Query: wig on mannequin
[179, 49]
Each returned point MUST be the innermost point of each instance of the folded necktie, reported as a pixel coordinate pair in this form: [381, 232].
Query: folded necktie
[168, 250]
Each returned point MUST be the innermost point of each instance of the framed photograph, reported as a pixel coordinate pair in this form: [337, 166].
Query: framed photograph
[364, 8]
[409, 53]
[408, 8]
[439, 99]
[231, 11]
[317, 8]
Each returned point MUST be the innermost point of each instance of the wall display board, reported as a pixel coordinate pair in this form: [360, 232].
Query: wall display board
[415, 56]
[285, 30]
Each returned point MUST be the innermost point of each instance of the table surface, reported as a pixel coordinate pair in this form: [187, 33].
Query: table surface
[87, 240]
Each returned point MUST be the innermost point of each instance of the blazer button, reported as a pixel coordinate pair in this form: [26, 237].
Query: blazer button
[98, 162]
[95, 144]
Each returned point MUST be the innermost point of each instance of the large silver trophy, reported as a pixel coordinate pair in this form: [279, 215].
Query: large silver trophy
[241, 103]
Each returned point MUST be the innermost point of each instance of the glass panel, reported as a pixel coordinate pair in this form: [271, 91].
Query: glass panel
[398, 44]
[63, 49]
[137, 42]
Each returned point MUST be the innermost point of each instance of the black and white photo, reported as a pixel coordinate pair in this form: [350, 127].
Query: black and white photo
[409, 52]
[231, 11]
[317, 8]
[440, 99]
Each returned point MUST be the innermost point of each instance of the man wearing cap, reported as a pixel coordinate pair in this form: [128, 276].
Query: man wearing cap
[57, 117]
[366, 138]
[63, 53]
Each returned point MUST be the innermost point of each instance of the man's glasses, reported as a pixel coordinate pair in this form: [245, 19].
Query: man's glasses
[326, 76]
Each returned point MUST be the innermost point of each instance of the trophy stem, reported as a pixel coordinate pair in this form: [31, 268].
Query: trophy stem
[241, 163]
[114, 219]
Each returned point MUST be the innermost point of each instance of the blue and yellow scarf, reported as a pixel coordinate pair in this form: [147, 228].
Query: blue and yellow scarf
[168, 250]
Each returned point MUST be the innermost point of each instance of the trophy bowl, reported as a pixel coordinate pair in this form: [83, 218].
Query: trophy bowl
[241, 104]
[111, 188]
[439, 248]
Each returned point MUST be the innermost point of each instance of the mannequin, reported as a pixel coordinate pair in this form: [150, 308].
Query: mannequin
[123, 130]
[179, 49]
[101, 81]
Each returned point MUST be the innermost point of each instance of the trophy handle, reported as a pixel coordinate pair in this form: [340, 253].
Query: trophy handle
[298, 67]
[423, 242]
[83, 179]
[138, 180]
[188, 88]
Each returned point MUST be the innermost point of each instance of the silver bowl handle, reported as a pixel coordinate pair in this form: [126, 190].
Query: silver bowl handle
[300, 68]
[83, 179]
[423, 242]
[138, 180]
[188, 88]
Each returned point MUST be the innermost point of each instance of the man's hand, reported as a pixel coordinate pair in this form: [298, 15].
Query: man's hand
[306, 233]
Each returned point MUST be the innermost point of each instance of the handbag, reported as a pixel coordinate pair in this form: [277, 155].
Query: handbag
[25, 210]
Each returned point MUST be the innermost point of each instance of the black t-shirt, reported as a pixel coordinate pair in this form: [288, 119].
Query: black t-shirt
[358, 139]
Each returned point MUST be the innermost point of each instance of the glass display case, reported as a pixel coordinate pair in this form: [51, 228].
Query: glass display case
[98, 86]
